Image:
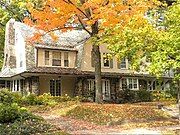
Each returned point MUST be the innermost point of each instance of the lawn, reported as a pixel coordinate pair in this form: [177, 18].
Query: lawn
[124, 115]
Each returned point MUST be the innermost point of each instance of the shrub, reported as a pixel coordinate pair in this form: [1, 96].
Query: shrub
[144, 96]
[6, 96]
[160, 95]
[8, 113]
[32, 99]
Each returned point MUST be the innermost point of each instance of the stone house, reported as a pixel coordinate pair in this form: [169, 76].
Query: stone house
[65, 66]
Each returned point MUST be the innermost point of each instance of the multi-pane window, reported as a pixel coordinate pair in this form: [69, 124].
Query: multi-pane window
[55, 87]
[123, 64]
[130, 83]
[66, 59]
[46, 57]
[106, 62]
[56, 61]
[124, 83]
[91, 84]
[106, 87]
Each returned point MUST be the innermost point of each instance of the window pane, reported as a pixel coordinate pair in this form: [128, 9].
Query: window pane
[56, 55]
[106, 61]
[47, 54]
[123, 63]
[66, 59]
[56, 62]
[65, 55]
[46, 57]
[52, 87]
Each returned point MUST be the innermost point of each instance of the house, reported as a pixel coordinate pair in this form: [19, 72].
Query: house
[65, 66]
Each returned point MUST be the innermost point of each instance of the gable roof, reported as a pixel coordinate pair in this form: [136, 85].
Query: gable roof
[70, 39]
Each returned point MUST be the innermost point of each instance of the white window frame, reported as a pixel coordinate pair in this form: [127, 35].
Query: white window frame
[126, 63]
[105, 59]
[60, 54]
[66, 59]
[91, 84]
[14, 87]
[46, 59]
[128, 82]
[106, 88]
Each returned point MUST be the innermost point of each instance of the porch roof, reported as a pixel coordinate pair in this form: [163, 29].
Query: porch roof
[71, 71]
[78, 72]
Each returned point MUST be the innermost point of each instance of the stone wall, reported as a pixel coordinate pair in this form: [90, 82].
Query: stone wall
[30, 56]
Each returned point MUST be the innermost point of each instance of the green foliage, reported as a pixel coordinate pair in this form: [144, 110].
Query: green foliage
[159, 95]
[7, 97]
[144, 96]
[8, 113]
[131, 96]
[32, 99]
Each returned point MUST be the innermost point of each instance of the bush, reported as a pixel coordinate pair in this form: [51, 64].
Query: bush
[32, 99]
[6, 96]
[160, 95]
[144, 96]
[8, 113]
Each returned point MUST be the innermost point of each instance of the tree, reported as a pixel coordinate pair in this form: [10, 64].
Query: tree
[156, 38]
[94, 16]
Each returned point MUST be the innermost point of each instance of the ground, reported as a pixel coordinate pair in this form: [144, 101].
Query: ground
[91, 118]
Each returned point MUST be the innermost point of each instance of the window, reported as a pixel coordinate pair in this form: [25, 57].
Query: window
[46, 57]
[106, 62]
[91, 85]
[106, 87]
[17, 85]
[130, 83]
[123, 64]
[66, 60]
[55, 87]
[56, 61]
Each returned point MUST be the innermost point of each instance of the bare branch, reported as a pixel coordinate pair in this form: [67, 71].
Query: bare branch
[84, 26]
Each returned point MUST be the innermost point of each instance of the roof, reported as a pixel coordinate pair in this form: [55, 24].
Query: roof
[70, 71]
[75, 71]
[6, 73]
[68, 39]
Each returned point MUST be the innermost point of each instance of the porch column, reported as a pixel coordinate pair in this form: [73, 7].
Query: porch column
[35, 85]
[79, 87]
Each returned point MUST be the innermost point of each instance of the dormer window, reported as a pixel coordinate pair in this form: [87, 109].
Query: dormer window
[46, 57]
[56, 60]
[66, 59]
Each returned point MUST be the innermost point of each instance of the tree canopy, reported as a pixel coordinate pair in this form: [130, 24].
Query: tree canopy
[155, 39]
[94, 16]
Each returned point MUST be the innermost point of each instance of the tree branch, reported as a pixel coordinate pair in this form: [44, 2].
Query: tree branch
[84, 26]
[70, 2]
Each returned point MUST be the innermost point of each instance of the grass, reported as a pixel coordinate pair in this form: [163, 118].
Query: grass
[125, 115]
[113, 114]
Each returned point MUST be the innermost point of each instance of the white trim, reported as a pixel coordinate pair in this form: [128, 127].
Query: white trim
[127, 82]
[106, 87]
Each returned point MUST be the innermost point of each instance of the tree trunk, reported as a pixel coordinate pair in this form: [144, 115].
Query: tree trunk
[97, 62]
[178, 84]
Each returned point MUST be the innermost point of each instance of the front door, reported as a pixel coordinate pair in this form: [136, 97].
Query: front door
[106, 89]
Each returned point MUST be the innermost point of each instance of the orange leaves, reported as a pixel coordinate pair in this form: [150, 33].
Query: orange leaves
[60, 13]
